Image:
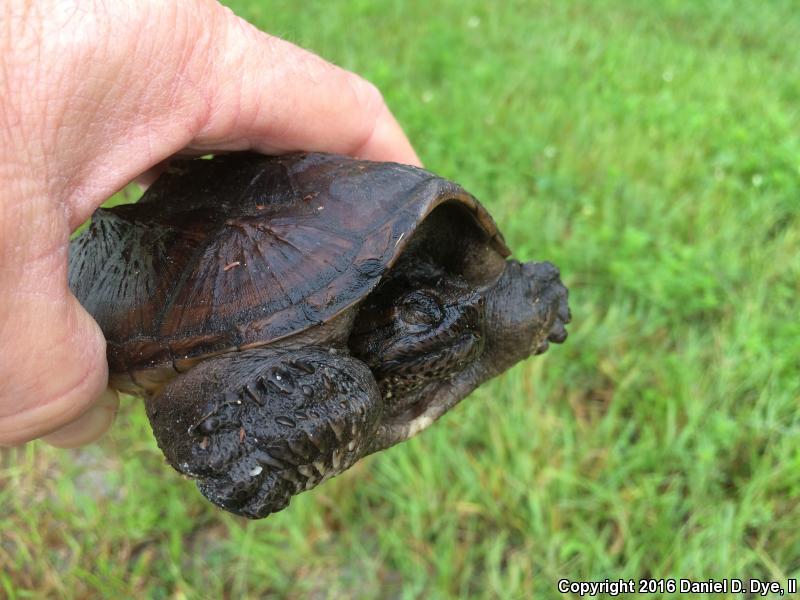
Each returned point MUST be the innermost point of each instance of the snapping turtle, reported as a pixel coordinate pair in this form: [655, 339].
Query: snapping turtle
[285, 316]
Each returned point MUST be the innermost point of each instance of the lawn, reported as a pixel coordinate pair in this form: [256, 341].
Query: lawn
[652, 151]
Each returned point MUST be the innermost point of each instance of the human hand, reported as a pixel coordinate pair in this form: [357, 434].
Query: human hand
[94, 95]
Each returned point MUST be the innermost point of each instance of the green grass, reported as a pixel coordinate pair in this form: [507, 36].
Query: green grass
[651, 150]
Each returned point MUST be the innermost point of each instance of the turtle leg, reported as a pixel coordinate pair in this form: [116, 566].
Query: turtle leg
[258, 426]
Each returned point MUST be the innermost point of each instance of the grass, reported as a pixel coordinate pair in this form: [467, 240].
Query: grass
[652, 151]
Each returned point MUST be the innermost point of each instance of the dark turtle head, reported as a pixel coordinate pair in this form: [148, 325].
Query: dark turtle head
[526, 310]
[430, 338]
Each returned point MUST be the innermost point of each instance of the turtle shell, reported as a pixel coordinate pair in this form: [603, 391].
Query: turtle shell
[243, 249]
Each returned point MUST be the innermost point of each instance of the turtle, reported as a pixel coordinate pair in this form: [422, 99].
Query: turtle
[285, 316]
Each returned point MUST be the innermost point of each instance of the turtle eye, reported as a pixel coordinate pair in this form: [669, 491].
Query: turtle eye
[420, 308]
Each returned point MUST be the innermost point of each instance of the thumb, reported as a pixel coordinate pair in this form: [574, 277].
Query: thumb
[53, 365]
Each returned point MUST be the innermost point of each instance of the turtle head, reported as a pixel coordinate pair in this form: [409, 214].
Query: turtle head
[526, 310]
[430, 341]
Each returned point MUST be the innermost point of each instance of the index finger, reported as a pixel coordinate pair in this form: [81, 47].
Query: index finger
[279, 97]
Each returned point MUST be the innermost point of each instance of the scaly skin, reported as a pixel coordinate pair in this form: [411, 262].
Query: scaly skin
[256, 427]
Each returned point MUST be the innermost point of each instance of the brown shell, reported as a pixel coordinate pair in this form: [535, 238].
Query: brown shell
[245, 249]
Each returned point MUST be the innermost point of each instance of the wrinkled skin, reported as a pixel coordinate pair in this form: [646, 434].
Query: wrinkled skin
[264, 425]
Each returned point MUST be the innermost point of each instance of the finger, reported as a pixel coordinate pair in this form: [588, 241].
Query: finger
[56, 370]
[281, 97]
[89, 426]
[53, 363]
[218, 84]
